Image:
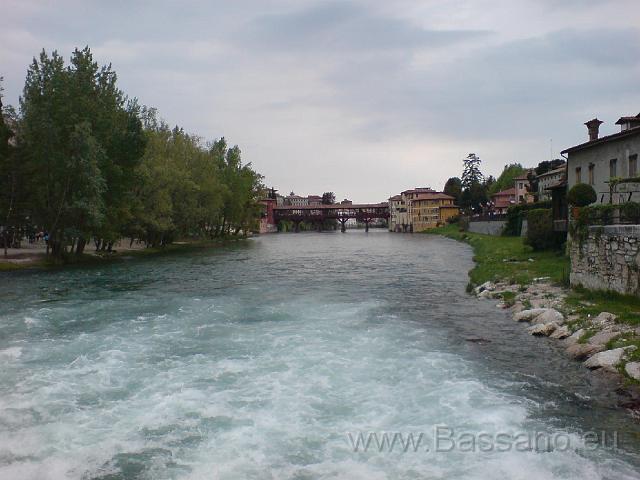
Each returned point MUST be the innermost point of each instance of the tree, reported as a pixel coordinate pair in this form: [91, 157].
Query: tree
[94, 164]
[548, 165]
[506, 179]
[474, 191]
[328, 198]
[453, 187]
[471, 171]
[10, 176]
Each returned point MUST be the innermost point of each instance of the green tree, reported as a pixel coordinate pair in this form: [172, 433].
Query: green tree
[471, 171]
[328, 198]
[453, 187]
[506, 179]
[474, 190]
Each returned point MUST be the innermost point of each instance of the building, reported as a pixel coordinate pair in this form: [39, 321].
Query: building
[522, 187]
[397, 214]
[314, 200]
[293, 200]
[549, 179]
[429, 209]
[503, 200]
[601, 158]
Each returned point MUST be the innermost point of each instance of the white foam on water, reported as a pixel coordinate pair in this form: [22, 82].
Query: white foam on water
[11, 353]
[242, 385]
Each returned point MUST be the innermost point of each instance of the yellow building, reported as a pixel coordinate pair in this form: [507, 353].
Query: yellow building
[430, 209]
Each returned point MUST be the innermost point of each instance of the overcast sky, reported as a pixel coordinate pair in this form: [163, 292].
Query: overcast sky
[362, 98]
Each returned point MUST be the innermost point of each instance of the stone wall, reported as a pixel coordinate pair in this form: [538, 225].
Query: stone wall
[493, 227]
[607, 259]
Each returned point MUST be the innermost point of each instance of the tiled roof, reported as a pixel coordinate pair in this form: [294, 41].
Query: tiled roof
[607, 138]
[554, 171]
[508, 191]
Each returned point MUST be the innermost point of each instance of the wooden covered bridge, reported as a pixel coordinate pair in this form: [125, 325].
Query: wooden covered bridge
[342, 212]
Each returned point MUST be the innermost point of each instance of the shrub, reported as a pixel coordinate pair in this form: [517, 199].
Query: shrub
[540, 234]
[453, 220]
[581, 195]
[515, 215]
[463, 223]
[631, 211]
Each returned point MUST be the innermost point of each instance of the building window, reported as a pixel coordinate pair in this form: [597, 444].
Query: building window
[591, 175]
[613, 167]
[633, 165]
[578, 175]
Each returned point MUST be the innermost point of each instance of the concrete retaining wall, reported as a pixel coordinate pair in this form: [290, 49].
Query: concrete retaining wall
[493, 227]
[607, 259]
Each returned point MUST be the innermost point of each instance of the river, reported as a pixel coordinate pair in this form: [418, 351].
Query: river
[273, 358]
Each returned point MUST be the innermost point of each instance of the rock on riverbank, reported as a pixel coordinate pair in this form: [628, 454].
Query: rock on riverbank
[542, 309]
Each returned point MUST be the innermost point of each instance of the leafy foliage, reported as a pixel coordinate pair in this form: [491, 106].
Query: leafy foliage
[506, 179]
[581, 195]
[94, 165]
[517, 213]
[328, 198]
[453, 187]
[540, 233]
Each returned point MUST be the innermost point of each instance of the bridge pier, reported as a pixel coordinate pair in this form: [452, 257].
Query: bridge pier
[296, 226]
[343, 224]
[366, 225]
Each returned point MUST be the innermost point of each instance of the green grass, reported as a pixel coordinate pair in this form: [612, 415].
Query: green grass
[507, 258]
[490, 252]
[592, 302]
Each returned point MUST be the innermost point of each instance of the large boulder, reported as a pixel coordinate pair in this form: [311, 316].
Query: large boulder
[580, 351]
[490, 286]
[574, 337]
[633, 370]
[529, 315]
[604, 319]
[549, 315]
[603, 337]
[561, 332]
[607, 360]
[542, 329]
[485, 294]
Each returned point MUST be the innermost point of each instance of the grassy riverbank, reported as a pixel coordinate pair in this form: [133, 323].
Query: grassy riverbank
[509, 259]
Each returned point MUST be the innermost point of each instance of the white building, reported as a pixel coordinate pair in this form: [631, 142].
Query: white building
[601, 158]
[545, 180]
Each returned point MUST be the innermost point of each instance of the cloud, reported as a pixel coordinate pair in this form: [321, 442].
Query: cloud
[360, 97]
[344, 27]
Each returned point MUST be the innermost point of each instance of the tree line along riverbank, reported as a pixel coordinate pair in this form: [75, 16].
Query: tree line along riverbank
[83, 165]
[599, 328]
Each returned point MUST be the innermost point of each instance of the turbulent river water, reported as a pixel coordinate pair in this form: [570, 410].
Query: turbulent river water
[282, 357]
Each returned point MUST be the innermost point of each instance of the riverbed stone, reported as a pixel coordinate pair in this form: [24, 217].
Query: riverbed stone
[550, 315]
[485, 294]
[488, 285]
[581, 351]
[633, 370]
[542, 329]
[607, 359]
[604, 319]
[529, 315]
[603, 337]
[561, 332]
[574, 337]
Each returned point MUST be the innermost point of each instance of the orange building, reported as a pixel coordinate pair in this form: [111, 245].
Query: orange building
[430, 209]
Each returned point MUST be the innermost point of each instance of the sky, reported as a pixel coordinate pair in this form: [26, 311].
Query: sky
[362, 98]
